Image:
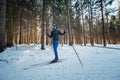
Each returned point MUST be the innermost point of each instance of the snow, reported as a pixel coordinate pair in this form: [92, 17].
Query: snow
[31, 63]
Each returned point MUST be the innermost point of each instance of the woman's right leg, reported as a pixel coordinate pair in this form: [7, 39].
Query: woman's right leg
[55, 46]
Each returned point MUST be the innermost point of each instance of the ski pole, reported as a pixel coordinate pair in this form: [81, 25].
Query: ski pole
[77, 56]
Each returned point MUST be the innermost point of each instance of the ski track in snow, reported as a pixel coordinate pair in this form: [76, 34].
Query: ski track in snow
[31, 63]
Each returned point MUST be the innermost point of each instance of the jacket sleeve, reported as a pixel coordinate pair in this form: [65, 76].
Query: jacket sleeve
[50, 36]
[62, 33]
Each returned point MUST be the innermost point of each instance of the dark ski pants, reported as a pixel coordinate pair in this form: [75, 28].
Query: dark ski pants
[55, 46]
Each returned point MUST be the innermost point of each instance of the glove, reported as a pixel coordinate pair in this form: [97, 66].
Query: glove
[64, 31]
[47, 34]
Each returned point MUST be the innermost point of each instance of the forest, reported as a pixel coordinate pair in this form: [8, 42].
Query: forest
[85, 21]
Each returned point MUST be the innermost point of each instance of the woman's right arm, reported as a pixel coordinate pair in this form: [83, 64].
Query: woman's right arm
[50, 36]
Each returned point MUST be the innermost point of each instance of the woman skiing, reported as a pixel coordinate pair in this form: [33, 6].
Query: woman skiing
[55, 38]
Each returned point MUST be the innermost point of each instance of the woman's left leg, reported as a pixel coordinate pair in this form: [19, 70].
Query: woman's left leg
[55, 46]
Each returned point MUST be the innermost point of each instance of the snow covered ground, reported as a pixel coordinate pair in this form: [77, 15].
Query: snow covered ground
[30, 63]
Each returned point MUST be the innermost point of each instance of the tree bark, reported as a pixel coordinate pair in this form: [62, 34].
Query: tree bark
[68, 20]
[9, 25]
[103, 28]
[91, 25]
[2, 24]
[42, 29]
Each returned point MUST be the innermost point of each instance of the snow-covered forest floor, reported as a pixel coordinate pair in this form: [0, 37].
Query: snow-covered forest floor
[31, 63]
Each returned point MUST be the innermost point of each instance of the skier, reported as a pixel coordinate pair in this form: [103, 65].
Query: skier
[55, 36]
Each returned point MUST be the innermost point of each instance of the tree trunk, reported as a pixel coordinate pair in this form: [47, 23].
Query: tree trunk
[47, 25]
[2, 24]
[107, 30]
[91, 25]
[68, 20]
[84, 32]
[79, 30]
[97, 30]
[9, 25]
[42, 29]
[20, 25]
[103, 28]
